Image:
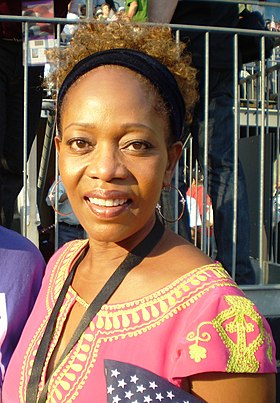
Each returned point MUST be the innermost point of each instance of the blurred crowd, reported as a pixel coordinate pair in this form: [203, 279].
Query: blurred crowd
[107, 10]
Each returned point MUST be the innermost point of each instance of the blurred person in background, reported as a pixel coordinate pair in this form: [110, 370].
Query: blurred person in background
[21, 271]
[137, 10]
[12, 105]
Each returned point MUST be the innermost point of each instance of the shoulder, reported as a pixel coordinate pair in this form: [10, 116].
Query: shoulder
[220, 317]
[11, 239]
[220, 328]
[182, 256]
[57, 270]
[16, 248]
[70, 249]
[63, 258]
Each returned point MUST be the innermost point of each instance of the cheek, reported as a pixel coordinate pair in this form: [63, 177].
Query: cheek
[70, 169]
[150, 177]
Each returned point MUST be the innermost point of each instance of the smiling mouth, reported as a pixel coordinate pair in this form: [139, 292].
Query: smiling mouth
[108, 202]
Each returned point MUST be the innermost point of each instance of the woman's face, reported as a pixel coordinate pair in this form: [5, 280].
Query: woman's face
[105, 10]
[113, 154]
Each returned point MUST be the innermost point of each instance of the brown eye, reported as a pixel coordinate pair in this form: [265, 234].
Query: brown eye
[138, 146]
[79, 145]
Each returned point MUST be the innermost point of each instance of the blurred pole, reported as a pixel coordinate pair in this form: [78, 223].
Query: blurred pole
[25, 129]
[261, 163]
[89, 12]
[235, 157]
[206, 140]
[46, 152]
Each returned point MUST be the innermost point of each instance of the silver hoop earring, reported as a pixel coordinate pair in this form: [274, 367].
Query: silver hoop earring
[182, 200]
[52, 198]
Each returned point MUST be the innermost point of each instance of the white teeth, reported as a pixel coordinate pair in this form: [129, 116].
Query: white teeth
[119, 202]
[107, 202]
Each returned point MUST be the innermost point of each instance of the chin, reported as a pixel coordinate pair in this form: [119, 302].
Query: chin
[116, 232]
[108, 232]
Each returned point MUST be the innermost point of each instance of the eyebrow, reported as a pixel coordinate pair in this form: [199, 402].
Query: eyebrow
[93, 126]
[85, 125]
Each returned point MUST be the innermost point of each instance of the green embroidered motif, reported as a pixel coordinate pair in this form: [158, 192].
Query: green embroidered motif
[242, 331]
[235, 334]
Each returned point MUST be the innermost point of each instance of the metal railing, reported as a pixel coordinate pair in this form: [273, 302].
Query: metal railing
[256, 111]
[256, 118]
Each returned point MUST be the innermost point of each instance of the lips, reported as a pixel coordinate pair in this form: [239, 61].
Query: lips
[108, 205]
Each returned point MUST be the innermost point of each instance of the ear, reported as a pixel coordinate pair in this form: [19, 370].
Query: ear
[174, 153]
[57, 142]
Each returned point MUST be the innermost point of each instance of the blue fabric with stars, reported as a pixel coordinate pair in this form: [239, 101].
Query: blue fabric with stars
[129, 383]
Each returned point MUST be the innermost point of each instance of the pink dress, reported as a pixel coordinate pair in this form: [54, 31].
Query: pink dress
[201, 322]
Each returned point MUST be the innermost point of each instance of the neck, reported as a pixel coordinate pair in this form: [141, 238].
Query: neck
[107, 255]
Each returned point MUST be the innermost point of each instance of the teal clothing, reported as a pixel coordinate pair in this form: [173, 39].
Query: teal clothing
[142, 10]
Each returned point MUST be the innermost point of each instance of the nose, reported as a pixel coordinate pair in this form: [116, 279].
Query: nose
[107, 163]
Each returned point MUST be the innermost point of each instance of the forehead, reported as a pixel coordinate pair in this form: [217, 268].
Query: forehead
[111, 80]
[116, 71]
[115, 92]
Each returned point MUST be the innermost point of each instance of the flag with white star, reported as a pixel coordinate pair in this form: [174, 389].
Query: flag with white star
[128, 383]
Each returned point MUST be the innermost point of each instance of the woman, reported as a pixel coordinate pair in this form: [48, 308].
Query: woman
[175, 313]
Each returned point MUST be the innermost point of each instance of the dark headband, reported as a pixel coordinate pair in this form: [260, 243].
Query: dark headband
[142, 63]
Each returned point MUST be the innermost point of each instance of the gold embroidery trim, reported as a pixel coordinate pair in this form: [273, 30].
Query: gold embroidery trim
[82, 302]
[61, 269]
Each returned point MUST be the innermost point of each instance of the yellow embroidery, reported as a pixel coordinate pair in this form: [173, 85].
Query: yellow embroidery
[82, 302]
[268, 340]
[100, 322]
[235, 334]
[135, 317]
[198, 353]
[234, 325]
[61, 269]
[155, 311]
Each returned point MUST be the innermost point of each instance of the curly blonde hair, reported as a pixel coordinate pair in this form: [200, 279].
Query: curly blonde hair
[157, 41]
